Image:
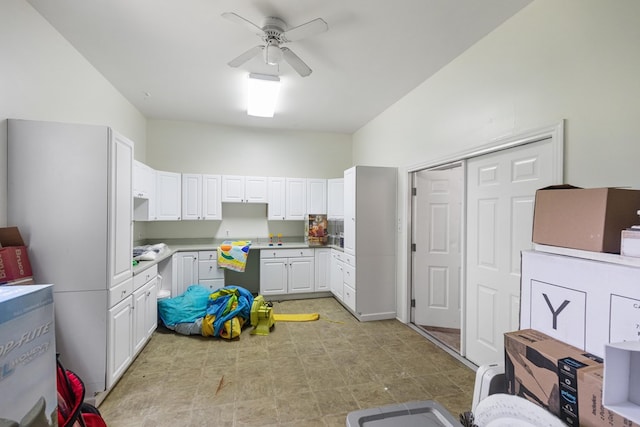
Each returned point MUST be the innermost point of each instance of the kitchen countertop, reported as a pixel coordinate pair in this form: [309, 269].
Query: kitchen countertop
[185, 245]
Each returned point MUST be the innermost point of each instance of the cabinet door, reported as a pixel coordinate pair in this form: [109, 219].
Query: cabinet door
[277, 198]
[191, 196]
[140, 188]
[119, 347]
[121, 209]
[335, 198]
[187, 271]
[350, 211]
[139, 318]
[317, 196]
[211, 197]
[169, 197]
[301, 275]
[296, 199]
[144, 206]
[151, 312]
[255, 189]
[233, 188]
[336, 277]
[273, 276]
[322, 269]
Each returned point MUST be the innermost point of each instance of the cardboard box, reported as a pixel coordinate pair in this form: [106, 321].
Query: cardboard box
[593, 412]
[14, 260]
[27, 356]
[545, 371]
[621, 392]
[590, 219]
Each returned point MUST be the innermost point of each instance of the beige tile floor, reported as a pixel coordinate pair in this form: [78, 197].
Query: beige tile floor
[301, 374]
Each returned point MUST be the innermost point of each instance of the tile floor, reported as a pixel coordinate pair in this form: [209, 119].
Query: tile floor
[301, 374]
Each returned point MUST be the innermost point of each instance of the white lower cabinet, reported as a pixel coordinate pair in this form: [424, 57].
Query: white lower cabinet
[145, 307]
[185, 272]
[323, 269]
[209, 274]
[343, 278]
[287, 271]
[131, 322]
[120, 343]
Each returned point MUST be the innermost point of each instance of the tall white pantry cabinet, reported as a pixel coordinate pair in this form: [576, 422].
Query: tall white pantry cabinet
[69, 193]
[363, 277]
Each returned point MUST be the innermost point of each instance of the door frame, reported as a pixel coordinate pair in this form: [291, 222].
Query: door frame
[554, 132]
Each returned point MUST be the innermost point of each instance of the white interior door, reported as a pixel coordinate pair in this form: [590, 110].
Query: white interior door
[501, 190]
[437, 257]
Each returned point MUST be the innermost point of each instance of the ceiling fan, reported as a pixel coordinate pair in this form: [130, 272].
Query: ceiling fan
[274, 33]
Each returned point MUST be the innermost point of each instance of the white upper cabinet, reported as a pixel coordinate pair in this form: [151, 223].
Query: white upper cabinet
[287, 199]
[277, 197]
[255, 189]
[350, 211]
[191, 196]
[144, 192]
[244, 189]
[335, 198]
[143, 180]
[317, 196]
[211, 197]
[296, 198]
[169, 198]
[201, 197]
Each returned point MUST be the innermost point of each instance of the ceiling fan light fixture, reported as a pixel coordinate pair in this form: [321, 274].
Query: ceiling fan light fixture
[272, 54]
[263, 94]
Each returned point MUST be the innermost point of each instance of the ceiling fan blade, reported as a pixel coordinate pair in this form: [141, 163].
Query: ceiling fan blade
[295, 62]
[308, 29]
[242, 21]
[254, 51]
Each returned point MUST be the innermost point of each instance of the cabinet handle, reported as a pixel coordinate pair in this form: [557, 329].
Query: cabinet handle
[124, 292]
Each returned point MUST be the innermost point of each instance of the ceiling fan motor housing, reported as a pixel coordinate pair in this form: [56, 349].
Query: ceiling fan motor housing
[273, 29]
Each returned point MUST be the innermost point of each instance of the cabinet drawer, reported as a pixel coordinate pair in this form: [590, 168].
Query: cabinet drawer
[210, 270]
[349, 275]
[286, 253]
[349, 297]
[120, 292]
[349, 259]
[346, 258]
[208, 255]
[213, 284]
[144, 276]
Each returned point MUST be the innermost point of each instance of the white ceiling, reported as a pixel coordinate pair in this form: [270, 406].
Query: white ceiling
[169, 57]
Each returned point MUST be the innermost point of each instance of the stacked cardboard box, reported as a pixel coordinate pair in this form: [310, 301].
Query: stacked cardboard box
[15, 268]
[563, 379]
[589, 219]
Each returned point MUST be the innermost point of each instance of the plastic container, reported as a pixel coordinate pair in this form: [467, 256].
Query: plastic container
[428, 413]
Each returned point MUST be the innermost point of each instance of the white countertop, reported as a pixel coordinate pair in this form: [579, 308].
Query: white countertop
[185, 245]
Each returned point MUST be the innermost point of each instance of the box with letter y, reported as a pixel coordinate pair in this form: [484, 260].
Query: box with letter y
[15, 267]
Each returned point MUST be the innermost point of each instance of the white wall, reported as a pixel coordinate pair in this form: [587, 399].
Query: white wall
[576, 60]
[43, 77]
[188, 147]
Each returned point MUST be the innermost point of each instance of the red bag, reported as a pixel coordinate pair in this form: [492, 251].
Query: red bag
[72, 410]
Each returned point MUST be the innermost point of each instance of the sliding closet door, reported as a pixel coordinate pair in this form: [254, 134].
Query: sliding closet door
[501, 190]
